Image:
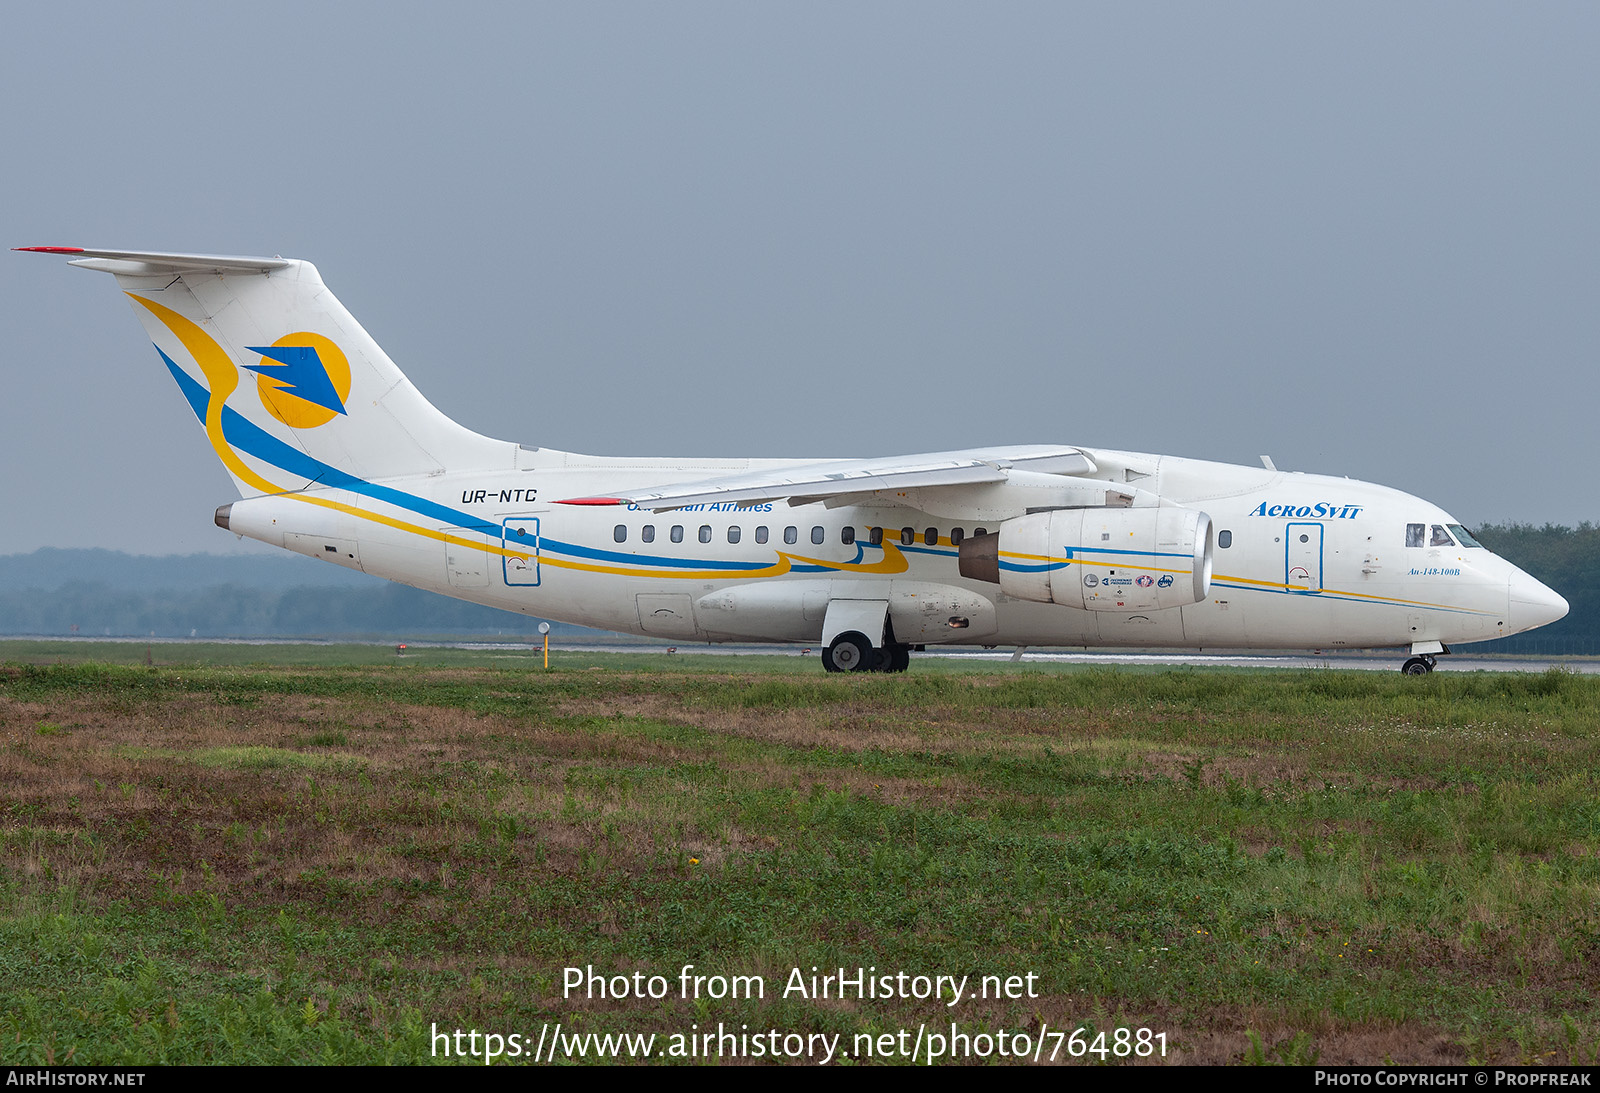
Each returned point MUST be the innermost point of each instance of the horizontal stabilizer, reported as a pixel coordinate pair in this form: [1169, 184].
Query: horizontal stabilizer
[805, 483]
[139, 261]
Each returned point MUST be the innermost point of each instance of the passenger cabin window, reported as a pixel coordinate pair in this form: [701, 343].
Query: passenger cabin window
[791, 535]
[648, 533]
[1441, 537]
[931, 537]
[875, 536]
[705, 533]
[620, 533]
[847, 535]
[956, 535]
[1224, 539]
[733, 533]
[677, 533]
[980, 531]
[1463, 536]
[1414, 534]
[818, 535]
[908, 536]
[761, 534]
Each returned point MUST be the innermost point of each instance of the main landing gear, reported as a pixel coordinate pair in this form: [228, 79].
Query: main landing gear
[853, 652]
[860, 638]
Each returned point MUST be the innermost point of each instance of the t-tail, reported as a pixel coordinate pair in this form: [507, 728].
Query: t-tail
[292, 392]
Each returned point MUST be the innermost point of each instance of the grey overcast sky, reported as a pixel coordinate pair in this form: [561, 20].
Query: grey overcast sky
[1361, 238]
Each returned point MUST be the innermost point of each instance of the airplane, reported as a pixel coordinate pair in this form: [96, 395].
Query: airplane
[337, 456]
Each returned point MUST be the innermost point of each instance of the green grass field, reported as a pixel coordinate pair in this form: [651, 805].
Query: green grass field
[204, 861]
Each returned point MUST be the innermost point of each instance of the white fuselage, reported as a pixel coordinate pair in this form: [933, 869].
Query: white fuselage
[1301, 560]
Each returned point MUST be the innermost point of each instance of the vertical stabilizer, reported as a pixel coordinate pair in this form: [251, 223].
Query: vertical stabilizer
[292, 391]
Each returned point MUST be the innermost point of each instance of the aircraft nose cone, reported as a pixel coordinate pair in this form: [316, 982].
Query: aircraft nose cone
[1532, 603]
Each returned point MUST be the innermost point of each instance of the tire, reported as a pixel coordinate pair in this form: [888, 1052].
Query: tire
[1416, 666]
[900, 658]
[849, 653]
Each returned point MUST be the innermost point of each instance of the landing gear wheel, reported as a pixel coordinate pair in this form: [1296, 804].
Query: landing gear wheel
[848, 653]
[1417, 666]
[899, 658]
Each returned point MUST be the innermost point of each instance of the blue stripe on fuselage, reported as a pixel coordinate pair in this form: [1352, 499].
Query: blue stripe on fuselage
[252, 439]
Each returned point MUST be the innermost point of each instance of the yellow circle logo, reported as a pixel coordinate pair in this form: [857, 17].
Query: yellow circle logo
[303, 379]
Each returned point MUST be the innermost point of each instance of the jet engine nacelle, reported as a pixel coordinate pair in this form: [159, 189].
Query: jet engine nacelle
[1099, 559]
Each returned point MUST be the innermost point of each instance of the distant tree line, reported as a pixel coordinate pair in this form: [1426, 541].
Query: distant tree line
[1566, 559]
[235, 611]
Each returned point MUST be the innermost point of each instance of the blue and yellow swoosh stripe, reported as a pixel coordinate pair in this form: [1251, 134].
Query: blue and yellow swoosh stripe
[230, 433]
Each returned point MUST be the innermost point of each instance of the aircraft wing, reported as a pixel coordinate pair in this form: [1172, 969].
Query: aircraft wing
[839, 478]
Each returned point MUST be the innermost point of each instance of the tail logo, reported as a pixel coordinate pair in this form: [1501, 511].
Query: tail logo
[303, 379]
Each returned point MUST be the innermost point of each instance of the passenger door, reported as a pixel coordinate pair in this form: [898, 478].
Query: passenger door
[519, 535]
[1302, 564]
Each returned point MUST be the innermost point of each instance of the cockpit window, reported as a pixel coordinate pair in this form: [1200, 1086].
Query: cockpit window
[1463, 536]
[1414, 534]
[1441, 537]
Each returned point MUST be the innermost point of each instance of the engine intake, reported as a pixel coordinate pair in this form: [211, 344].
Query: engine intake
[1137, 559]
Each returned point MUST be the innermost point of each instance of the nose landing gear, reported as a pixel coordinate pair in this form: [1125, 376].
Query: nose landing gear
[1424, 656]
